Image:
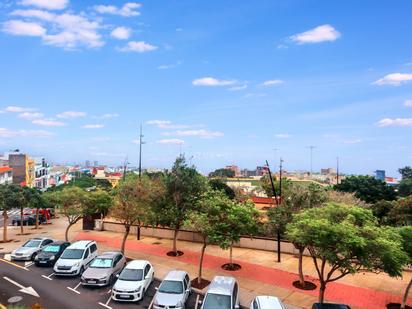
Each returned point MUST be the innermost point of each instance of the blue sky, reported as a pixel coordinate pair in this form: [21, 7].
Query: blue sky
[225, 82]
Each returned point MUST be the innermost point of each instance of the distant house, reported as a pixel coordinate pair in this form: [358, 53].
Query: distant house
[6, 175]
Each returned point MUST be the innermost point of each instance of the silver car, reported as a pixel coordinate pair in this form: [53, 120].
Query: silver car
[30, 249]
[174, 291]
[223, 293]
[103, 269]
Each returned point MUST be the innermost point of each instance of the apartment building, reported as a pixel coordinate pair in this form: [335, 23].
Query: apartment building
[6, 175]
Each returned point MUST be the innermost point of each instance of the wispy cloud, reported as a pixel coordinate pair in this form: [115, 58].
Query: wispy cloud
[172, 141]
[127, 10]
[18, 109]
[19, 27]
[212, 82]
[395, 122]
[107, 116]
[353, 141]
[71, 115]
[92, 126]
[323, 33]
[46, 4]
[6, 133]
[169, 66]
[166, 124]
[394, 79]
[48, 123]
[137, 47]
[198, 133]
[30, 115]
[272, 82]
[238, 88]
[121, 33]
[407, 103]
[283, 135]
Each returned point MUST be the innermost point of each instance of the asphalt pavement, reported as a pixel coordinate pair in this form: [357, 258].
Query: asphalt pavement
[28, 284]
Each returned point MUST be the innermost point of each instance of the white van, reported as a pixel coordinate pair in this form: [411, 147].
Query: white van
[76, 258]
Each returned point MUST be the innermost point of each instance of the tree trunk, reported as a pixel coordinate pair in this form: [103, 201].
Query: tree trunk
[322, 292]
[202, 254]
[21, 221]
[405, 296]
[138, 232]
[126, 233]
[231, 255]
[176, 232]
[5, 216]
[37, 218]
[301, 277]
[66, 234]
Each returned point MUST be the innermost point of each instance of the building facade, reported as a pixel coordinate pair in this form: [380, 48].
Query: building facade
[42, 174]
[6, 175]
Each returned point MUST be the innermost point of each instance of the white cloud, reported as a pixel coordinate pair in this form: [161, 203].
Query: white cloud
[166, 124]
[394, 79]
[254, 95]
[172, 141]
[107, 116]
[71, 114]
[395, 122]
[30, 116]
[407, 103]
[6, 133]
[138, 47]
[199, 133]
[46, 4]
[18, 27]
[211, 81]
[39, 14]
[272, 82]
[237, 88]
[169, 66]
[324, 33]
[48, 123]
[92, 126]
[353, 141]
[121, 33]
[127, 10]
[18, 109]
[283, 135]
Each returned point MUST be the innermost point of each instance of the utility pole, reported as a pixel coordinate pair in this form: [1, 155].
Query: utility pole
[311, 158]
[280, 179]
[140, 151]
[337, 170]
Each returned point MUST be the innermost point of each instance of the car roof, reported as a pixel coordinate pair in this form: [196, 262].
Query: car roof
[269, 302]
[40, 238]
[222, 285]
[81, 244]
[59, 242]
[175, 275]
[137, 264]
[109, 254]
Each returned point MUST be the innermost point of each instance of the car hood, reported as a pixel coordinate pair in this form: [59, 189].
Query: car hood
[46, 255]
[26, 250]
[167, 299]
[124, 285]
[97, 273]
[66, 262]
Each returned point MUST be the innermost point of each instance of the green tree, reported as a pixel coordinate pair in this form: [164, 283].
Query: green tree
[222, 173]
[183, 187]
[401, 212]
[406, 234]
[99, 202]
[6, 203]
[348, 239]
[406, 172]
[367, 188]
[133, 200]
[349, 198]
[405, 187]
[381, 210]
[219, 185]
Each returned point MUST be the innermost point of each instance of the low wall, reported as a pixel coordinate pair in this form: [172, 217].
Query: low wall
[258, 243]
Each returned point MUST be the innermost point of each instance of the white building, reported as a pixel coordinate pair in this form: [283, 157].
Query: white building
[6, 175]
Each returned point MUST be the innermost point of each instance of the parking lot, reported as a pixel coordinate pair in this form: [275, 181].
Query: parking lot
[27, 284]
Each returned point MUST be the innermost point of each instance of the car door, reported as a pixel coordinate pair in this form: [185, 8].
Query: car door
[86, 257]
[146, 274]
[186, 286]
[117, 265]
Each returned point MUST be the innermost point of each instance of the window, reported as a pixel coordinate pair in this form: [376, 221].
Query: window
[47, 241]
[171, 287]
[93, 248]
[216, 301]
[86, 253]
[186, 281]
[32, 243]
[101, 263]
[117, 259]
[72, 254]
[255, 305]
[234, 295]
[146, 270]
[131, 274]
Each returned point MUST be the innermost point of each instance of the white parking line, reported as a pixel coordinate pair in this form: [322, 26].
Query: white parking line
[28, 264]
[75, 288]
[48, 277]
[107, 303]
[197, 301]
[109, 291]
[151, 303]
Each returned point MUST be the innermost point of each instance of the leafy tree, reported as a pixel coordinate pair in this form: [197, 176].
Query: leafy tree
[6, 203]
[72, 203]
[406, 234]
[223, 173]
[35, 200]
[348, 239]
[405, 187]
[99, 201]
[266, 185]
[367, 188]
[406, 172]
[133, 199]
[345, 198]
[381, 210]
[219, 185]
[401, 212]
[207, 220]
[183, 187]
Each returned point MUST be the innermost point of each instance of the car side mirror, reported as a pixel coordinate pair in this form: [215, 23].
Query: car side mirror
[237, 306]
[117, 275]
[188, 290]
[156, 288]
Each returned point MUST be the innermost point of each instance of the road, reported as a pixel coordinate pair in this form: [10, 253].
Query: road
[60, 292]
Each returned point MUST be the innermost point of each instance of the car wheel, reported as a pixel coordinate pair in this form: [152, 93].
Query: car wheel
[33, 256]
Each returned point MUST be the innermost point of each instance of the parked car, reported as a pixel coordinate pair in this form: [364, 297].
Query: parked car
[266, 302]
[28, 219]
[75, 258]
[133, 281]
[103, 269]
[30, 248]
[51, 253]
[174, 291]
[329, 306]
[223, 293]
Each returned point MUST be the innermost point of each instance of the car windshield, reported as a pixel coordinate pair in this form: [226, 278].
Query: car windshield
[72, 254]
[217, 301]
[171, 287]
[101, 263]
[131, 274]
[52, 248]
[32, 243]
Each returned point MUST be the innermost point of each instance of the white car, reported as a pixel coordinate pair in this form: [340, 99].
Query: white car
[133, 281]
[30, 249]
[267, 302]
[75, 258]
[223, 293]
[174, 291]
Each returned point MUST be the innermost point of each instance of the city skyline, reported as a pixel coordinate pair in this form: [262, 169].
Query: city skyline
[223, 82]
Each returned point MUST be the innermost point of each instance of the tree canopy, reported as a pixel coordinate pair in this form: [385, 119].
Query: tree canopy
[406, 172]
[223, 173]
[219, 185]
